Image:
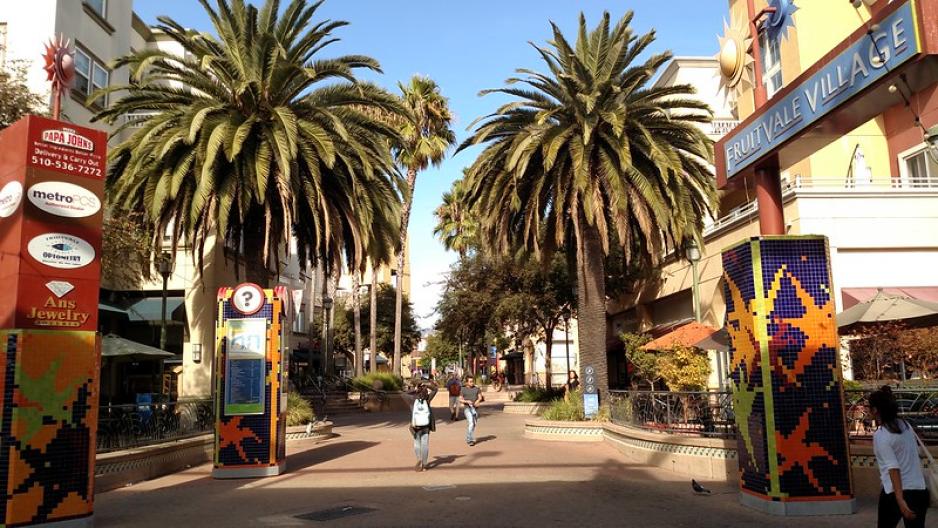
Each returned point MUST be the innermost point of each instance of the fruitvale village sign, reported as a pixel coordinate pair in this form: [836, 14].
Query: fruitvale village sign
[858, 67]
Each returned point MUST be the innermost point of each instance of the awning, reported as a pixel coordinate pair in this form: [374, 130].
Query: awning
[113, 345]
[719, 341]
[108, 308]
[885, 307]
[151, 309]
[855, 296]
[688, 335]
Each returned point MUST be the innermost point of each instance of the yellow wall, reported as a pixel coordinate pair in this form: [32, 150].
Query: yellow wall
[827, 23]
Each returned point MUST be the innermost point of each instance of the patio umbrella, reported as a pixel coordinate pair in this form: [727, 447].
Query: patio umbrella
[115, 346]
[719, 341]
[688, 335]
[885, 307]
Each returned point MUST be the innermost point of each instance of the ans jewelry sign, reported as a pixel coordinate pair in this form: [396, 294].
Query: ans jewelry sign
[858, 67]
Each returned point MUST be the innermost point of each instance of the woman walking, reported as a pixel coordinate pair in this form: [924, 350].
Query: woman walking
[904, 495]
[422, 422]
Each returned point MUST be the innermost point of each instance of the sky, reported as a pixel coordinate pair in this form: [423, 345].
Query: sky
[467, 46]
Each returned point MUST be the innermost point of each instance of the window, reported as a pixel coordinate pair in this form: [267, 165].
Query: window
[90, 75]
[299, 322]
[98, 6]
[918, 168]
[771, 64]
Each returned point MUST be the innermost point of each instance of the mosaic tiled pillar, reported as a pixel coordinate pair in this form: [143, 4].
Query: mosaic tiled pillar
[251, 422]
[787, 382]
[49, 408]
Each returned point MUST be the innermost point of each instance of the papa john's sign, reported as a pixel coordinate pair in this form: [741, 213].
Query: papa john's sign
[858, 67]
[51, 211]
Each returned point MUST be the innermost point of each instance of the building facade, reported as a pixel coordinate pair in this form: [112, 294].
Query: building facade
[871, 190]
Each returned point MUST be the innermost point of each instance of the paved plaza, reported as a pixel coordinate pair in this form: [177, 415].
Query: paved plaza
[365, 477]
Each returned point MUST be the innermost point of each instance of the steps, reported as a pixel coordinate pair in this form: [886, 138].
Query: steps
[336, 403]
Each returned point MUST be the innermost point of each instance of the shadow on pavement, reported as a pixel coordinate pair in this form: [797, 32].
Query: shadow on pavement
[441, 460]
[486, 438]
[331, 451]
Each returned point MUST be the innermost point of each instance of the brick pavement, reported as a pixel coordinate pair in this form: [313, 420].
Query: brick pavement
[505, 480]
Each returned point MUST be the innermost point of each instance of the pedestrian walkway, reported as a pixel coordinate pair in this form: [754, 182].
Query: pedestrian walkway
[365, 477]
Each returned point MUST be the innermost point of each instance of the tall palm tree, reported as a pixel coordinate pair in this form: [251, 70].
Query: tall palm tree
[456, 226]
[425, 137]
[252, 138]
[589, 152]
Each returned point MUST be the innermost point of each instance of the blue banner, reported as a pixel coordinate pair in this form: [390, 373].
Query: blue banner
[868, 60]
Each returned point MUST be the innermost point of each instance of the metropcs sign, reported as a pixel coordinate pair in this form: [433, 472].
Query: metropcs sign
[856, 68]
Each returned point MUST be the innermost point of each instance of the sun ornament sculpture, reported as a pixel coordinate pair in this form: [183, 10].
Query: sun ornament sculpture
[734, 58]
[781, 19]
[60, 70]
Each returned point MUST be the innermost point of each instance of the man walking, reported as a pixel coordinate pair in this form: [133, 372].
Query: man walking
[471, 397]
[454, 389]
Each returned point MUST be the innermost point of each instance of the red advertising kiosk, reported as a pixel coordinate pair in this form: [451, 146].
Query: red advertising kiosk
[51, 209]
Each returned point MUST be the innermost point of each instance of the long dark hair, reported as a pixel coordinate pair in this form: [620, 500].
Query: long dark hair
[885, 403]
[423, 393]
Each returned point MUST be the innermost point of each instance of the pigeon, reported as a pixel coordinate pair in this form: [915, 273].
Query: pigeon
[698, 488]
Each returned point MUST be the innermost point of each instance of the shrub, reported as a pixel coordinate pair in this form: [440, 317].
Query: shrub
[566, 409]
[532, 394]
[389, 382]
[299, 410]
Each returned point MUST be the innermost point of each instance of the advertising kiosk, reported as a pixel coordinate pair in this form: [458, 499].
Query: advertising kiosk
[51, 189]
[251, 382]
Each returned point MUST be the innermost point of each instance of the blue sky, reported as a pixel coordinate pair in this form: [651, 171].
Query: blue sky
[467, 46]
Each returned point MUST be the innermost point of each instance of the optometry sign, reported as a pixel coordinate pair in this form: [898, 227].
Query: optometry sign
[858, 67]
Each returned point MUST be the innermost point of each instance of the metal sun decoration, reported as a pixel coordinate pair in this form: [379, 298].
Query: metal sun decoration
[734, 58]
[777, 23]
[60, 70]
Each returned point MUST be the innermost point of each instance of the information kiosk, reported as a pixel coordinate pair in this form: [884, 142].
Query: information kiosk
[251, 382]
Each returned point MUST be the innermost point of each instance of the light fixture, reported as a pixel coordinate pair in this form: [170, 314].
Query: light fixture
[327, 303]
[196, 352]
[691, 250]
[858, 3]
[931, 138]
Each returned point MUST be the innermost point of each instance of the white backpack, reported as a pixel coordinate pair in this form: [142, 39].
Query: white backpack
[421, 414]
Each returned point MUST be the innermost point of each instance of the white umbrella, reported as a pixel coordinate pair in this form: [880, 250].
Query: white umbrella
[885, 307]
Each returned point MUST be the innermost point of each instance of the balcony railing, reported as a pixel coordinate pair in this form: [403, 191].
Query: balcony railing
[710, 414]
[749, 209]
[136, 119]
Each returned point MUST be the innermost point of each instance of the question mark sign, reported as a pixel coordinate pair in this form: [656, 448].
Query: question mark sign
[248, 296]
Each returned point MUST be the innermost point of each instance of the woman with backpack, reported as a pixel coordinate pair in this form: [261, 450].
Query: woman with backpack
[904, 495]
[422, 422]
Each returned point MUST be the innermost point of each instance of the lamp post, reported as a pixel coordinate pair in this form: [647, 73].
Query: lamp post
[327, 303]
[692, 252]
[164, 266]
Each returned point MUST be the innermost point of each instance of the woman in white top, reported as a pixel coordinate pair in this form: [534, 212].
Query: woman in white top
[900, 469]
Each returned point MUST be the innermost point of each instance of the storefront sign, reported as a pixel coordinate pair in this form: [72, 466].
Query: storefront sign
[855, 69]
[62, 251]
[57, 312]
[64, 199]
[10, 196]
[245, 366]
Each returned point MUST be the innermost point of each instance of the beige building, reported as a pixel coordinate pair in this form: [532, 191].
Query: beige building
[872, 192]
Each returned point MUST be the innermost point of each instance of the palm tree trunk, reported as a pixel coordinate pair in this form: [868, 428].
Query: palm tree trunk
[373, 344]
[591, 304]
[356, 300]
[399, 302]
[255, 264]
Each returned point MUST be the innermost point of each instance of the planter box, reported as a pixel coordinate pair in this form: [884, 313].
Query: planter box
[530, 408]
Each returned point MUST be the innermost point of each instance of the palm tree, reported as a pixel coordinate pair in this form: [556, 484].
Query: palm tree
[425, 137]
[590, 153]
[252, 138]
[456, 226]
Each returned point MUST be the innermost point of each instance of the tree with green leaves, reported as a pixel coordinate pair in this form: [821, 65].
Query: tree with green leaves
[457, 226]
[384, 330]
[589, 153]
[16, 99]
[425, 136]
[251, 137]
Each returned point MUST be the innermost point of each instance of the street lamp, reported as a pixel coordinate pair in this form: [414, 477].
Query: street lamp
[931, 138]
[692, 252]
[164, 266]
